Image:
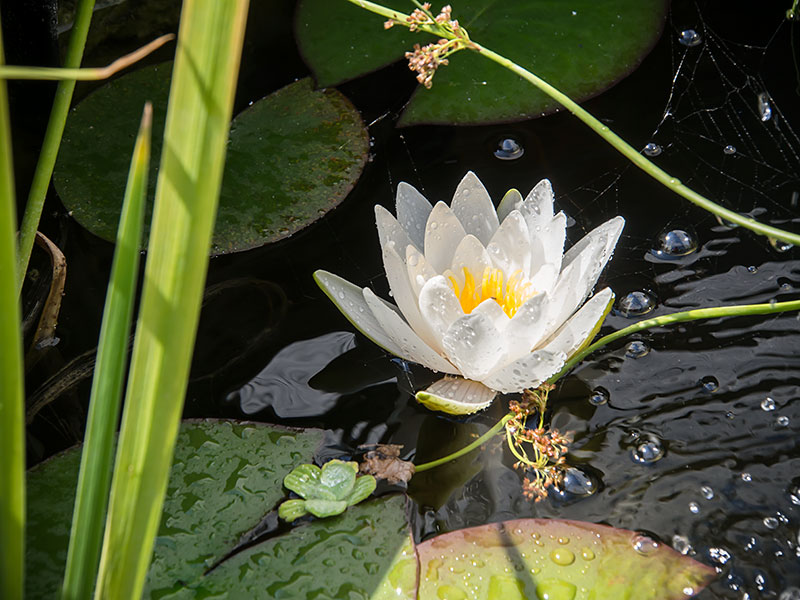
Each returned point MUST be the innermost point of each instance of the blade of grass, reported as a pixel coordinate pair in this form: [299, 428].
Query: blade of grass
[198, 120]
[98, 450]
[52, 139]
[12, 445]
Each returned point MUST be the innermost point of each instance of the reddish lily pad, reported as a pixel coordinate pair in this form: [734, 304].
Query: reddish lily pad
[582, 47]
[555, 560]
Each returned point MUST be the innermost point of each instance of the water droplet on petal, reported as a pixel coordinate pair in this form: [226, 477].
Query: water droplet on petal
[562, 556]
[413, 260]
[643, 544]
[652, 149]
[509, 149]
[635, 304]
[689, 38]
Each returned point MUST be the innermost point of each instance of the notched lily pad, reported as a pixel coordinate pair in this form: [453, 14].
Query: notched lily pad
[555, 559]
[582, 47]
[292, 156]
[327, 491]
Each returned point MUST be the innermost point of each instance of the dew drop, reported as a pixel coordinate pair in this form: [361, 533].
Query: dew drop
[768, 404]
[341, 295]
[780, 245]
[648, 453]
[707, 492]
[599, 396]
[675, 242]
[652, 149]
[764, 106]
[644, 544]
[509, 148]
[413, 260]
[635, 304]
[562, 556]
[729, 149]
[434, 225]
[637, 349]
[681, 544]
[709, 383]
[689, 38]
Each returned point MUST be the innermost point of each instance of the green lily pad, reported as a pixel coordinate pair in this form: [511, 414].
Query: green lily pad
[292, 156]
[327, 491]
[556, 560]
[581, 47]
[225, 477]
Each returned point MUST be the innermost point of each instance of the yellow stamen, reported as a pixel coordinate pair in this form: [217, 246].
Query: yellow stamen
[510, 297]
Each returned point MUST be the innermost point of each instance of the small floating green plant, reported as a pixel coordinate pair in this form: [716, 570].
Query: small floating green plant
[326, 491]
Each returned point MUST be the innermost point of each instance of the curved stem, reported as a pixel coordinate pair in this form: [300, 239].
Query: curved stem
[636, 157]
[466, 449]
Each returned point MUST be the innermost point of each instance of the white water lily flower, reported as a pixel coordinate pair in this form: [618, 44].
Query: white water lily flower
[483, 295]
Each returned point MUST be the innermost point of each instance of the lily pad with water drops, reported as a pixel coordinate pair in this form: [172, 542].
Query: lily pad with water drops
[557, 560]
[581, 47]
[292, 156]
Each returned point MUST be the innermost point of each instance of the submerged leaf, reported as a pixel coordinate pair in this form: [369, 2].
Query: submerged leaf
[582, 47]
[292, 156]
[555, 559]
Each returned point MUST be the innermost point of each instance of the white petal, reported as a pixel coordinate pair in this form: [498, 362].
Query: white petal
[413, 210]
[526, 372]
[494, 311]
[471, 254]
[349, 299]
[609, 231]
[545, 278]
[510, 249]
[538, 205]
[511, 201]
[443, 232]
[473, 207]
[547, 243]
[390, 233]
[582, 268]
[411, 346]
[474, 345]
[439, 305]
[525, 329]
[582, 326]
[419, 271]
[456, 396]
[406, 298]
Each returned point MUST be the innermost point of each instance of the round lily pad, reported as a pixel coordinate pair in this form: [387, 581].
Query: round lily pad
[292, 156]
[581, 47]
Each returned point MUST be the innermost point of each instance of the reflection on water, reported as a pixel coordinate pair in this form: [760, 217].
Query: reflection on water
[283, 383]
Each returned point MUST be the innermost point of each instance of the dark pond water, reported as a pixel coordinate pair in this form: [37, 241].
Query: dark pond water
[689, 433]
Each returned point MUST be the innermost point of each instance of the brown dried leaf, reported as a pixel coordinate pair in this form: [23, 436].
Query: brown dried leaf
[383, 462]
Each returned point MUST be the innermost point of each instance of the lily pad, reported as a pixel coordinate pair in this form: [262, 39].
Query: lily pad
[292, 156]
[225, 477]
[556, 560]
[581, 47]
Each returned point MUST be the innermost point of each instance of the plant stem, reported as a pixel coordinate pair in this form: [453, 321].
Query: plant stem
[466, 449]
[740, 310]
[52, 139]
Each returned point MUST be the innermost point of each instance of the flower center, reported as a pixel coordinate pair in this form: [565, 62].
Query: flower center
[510, 296]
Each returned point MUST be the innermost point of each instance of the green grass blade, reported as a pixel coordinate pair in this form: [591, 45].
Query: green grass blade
[52, 139]
[98, 450]
[12, 423]
[198, 119]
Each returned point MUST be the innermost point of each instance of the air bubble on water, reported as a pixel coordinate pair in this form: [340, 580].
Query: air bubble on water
[771, 522]
[648, 452]
[746, 477]
[694, 507]
[709, 383]
[729, 149]
[707, 491]
[652, 149]
[509, 149]
[689, 38]
[768, 404]
[764, 106]
[680, 543]
[719, 555]
[780, 245]
[635, 304]
[599, 396]
[673, 243]
[637, 349]
[578, 483]
[752, 269]
[782, 421]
